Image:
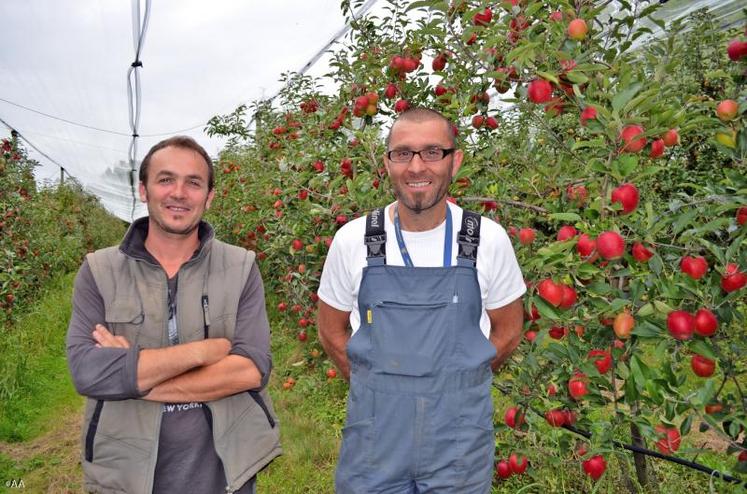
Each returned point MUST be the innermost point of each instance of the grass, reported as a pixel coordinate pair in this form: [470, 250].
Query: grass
[43, 390]
[40, 417]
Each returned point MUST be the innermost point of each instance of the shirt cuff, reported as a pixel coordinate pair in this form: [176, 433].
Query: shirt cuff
[260, 359]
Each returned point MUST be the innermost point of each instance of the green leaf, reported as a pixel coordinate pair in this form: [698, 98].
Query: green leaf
[576, 77]
[622, 98]
[571, 217]
[647, 330]
[645, 310]
[703, 348]
[548, 76]
[627, 163]
[598, 166]
[594, 143]
[546, 310]
[683, 221]
[661, 307]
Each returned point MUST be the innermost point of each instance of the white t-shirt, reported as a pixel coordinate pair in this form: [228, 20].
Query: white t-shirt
[498, 273]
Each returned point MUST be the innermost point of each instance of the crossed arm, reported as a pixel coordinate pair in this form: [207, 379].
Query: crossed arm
[197, 371]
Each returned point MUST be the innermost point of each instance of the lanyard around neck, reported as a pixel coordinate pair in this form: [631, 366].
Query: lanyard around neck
[403, 247]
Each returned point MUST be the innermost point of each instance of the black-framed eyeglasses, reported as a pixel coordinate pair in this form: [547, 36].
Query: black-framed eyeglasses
[428, 155]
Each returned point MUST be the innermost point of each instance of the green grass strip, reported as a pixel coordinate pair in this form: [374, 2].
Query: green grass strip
[36, 386]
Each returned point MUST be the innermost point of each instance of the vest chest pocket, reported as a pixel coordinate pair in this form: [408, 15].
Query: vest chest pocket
[125, 317]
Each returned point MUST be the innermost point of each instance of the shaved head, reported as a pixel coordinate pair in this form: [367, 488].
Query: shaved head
[422, 114]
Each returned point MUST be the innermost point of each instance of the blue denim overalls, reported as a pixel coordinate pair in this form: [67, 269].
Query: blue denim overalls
[420, 415]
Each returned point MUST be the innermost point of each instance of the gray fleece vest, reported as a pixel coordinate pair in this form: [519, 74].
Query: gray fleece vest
[120, 438]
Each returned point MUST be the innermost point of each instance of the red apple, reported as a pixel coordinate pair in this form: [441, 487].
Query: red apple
[586, 246]
[302, 336]
[390, 91]
[742, 215]
[550, 292]
[671, 138]
[526, 236]
[589, 113]
[733, 279]
[706, 322]
[577, 29]
[641, 253]
[694, 267]
[439, 62]
[702, 366]
[595, 466]
[530, 336]
[331, 373]
[556, 417]
[670, 439]
[657, 149]
[401, 105]
[565, 232]
[577, 387]
[477, 121]
[557, 332]
[577, 194]
[681, 324]
[503, 469]
[517, 466]
[569, 297]
[610, 245]
[483, 18]
[296, 244]
[514, 417]
[631, 135]
[737, 50]
[727, 110]
[602, 360]
[627, 196]
[623, 325]
[539, 91]
[491, 123]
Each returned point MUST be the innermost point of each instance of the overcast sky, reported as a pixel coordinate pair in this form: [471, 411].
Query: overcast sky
[70, 59]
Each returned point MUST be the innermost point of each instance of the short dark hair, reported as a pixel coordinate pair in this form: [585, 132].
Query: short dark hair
[422, 114]
[183, 142]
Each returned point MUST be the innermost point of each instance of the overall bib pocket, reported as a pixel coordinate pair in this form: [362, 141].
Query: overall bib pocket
[403, 337]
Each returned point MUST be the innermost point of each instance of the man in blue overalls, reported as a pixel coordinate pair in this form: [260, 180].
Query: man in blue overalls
[432, 294]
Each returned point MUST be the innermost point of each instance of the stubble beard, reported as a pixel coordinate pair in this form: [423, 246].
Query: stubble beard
[417, 205]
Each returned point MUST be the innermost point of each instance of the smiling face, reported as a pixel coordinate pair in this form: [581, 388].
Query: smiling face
[421, 187]
[176, 191]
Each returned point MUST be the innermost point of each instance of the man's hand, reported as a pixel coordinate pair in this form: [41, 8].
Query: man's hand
[505, 330]
[104, 339]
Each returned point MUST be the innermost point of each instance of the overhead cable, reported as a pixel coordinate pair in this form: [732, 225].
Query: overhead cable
[139, 28]
[63, 170]
[91, 127]
[339, 34]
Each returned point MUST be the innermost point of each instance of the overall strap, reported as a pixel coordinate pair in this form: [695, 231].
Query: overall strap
[375, 238]
[468, 239]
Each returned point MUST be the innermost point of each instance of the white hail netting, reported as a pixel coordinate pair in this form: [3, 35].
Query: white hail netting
[70, 59]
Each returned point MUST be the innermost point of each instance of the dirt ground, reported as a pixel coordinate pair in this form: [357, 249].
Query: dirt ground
[51, 462]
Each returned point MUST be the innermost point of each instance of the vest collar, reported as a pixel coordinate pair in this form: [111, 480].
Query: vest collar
[133, 243]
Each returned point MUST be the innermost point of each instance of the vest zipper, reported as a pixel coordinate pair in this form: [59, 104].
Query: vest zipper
[258, 398]
[93, 425]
